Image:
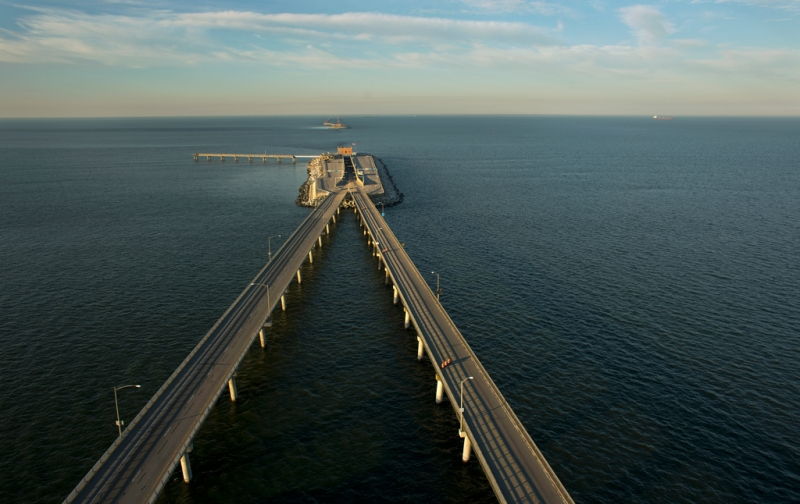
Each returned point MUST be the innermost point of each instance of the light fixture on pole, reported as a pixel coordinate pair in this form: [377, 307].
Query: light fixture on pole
[461, 407]
[268, 322]
[438, 291]
[269, 245]
[119, 422]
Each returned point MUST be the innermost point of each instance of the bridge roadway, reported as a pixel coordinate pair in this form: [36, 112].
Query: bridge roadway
[514, 466]
[137, 465]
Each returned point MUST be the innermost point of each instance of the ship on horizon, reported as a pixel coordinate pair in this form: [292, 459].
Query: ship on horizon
[335, 124]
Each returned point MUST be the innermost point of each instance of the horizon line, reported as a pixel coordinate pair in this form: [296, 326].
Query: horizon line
[450, 114]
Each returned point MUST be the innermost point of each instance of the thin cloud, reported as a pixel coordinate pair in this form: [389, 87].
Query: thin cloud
[372, 40]
[648, 24]
[163, 37]
[536, 7]
[371, 25]
[786, 5]
[766, 63]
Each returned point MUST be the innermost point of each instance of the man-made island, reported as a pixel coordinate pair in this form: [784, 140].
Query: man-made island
[330, 172]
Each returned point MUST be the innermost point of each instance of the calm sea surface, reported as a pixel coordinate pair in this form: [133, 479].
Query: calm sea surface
[632, 285]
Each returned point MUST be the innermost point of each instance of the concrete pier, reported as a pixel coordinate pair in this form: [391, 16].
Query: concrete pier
[420, 348]
[232, 389]
[186, 468]
[222, 156]
[467, 451]
[262, 337]
[439, 390]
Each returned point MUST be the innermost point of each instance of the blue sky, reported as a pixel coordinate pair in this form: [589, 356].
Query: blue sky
[145, 58]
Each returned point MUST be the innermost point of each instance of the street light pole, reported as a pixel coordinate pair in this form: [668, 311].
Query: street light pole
[116, 405]
[461, 406]
[438, 290]
[269, 245]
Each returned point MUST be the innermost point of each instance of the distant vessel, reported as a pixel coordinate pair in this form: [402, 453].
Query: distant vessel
[337, 124]
[662, 118]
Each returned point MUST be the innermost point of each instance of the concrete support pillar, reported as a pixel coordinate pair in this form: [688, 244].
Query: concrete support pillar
[327, 228]
[283, 302]
[386, 277]
[420, 348]
[407, 320]
[467, 451]
[319, 240]
[334, 218]
[299, 278]
[262, 337]
[439, 390]
[232, 389]
[310, 257]
[186, 468]
[395, 294]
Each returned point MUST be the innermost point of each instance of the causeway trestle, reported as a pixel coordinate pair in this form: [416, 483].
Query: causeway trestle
[514, 466]
[138, 464]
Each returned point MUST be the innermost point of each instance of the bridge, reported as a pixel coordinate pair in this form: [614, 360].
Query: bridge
[514, 466]
[136, 466]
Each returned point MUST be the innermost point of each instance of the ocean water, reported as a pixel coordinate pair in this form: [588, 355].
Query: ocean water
[632, 285]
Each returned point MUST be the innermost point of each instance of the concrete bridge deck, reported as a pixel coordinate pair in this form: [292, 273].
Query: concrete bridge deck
[514, 466]
[136, 466]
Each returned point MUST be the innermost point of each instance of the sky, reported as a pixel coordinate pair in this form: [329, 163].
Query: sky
[126, 58]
